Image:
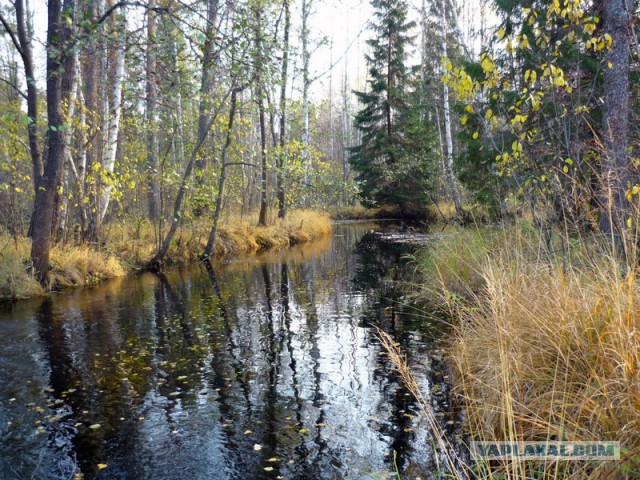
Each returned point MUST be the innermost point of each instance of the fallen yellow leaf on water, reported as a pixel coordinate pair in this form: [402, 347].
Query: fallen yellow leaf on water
[95, 426]
[257, 447]
[268, 469]
[272, 459]
[101, 466]
[248, 432]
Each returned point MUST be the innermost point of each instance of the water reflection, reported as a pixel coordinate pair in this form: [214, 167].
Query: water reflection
[258, 368]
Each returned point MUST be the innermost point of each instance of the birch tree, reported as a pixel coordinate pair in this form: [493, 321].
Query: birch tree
[453, 183]
[114, 113]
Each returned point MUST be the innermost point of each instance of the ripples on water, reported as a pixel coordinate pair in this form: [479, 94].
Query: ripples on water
[256, 368]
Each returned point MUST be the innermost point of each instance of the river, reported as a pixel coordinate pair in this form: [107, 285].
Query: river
[260, 367]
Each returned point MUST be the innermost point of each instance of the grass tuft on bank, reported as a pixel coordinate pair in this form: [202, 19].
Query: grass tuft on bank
[129, 246]
[544, 346]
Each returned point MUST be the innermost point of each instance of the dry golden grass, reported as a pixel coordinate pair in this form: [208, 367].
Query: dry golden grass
[128, 246]
[543, 350]
[15, 282]
[135, 244]
[358, 212]
[75, 265]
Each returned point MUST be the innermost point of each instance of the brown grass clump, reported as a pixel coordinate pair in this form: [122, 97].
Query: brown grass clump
[130, 245]
[545, 351]
[358, 212]
[15, 282]
[76, 265]
[243, 237]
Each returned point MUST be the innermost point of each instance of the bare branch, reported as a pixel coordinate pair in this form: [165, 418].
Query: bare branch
[12, 85]
[12, 34]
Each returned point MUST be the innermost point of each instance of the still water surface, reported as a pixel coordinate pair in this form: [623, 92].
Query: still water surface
[263, 367]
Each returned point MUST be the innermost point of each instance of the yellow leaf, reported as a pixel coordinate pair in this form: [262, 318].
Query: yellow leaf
[501, 33]
[464, 120]
[475, 135]
[101, 466]
[487, 65]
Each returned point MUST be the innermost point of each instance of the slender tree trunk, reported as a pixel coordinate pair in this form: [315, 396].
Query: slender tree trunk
[282, 158]
[453, 183]
[222, 178]
[60, 72]
[615, 159]
[82, 154]
[94, 148]
[306, 83]
[32, 90]
[206, 118]
[264, 204]
[153, 160]
[115, 112]
[22, 43]
[346, 137]
[210, 59]
[70, 167]
[262, 219]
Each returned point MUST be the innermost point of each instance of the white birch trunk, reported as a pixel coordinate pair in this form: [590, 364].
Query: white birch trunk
[113, 128]
[453, 184]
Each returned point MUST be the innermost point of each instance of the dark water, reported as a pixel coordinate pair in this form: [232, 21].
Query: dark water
[265, 367]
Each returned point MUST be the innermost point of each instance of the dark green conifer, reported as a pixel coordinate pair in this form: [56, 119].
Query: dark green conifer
[392, 161]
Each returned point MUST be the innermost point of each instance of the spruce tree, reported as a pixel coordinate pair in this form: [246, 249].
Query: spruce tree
[392, 162]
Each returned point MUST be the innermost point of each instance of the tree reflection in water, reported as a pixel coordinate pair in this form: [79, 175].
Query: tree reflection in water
[255, 368]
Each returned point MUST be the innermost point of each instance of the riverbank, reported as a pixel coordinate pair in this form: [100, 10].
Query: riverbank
[127, 247]
[544, 345]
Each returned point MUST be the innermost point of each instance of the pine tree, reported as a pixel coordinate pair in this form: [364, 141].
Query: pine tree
[392, 162]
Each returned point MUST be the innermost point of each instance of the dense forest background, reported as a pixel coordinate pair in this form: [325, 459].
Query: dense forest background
[171, 112]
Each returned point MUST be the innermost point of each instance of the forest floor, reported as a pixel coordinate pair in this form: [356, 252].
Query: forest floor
[545, 343]
[128, 246]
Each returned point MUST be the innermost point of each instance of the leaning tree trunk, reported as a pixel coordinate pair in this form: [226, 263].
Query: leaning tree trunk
[614, 207]
[206, 118]
[60, 71]
[222, 178]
